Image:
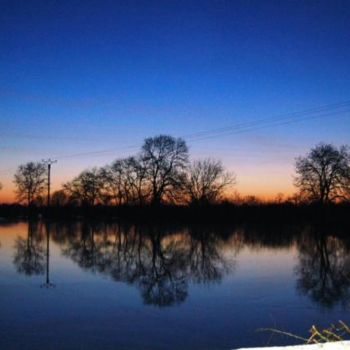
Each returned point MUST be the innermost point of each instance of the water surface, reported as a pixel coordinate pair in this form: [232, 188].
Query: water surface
[88, 285]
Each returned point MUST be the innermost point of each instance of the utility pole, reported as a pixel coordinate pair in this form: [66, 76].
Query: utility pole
[48, 162]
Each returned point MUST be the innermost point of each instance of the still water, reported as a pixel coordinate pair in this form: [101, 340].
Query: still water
[83, 285]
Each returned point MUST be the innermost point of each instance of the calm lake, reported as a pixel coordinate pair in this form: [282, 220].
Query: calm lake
[89, 285]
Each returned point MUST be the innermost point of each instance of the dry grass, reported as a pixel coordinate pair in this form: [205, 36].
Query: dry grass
[338, 332]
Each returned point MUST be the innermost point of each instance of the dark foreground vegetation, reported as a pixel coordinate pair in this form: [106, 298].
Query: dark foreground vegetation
[225, 212]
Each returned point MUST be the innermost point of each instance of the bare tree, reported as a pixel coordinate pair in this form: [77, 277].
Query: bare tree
[207, 181]
[124, 182]
[322, 175]
[165, 159]
[135, 178]
[30, 180]
[86, 187]
[112, 190]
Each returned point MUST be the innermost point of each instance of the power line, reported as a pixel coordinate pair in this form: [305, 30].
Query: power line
[283, 119]
[334, 109]
[324, 108]
[259, 127]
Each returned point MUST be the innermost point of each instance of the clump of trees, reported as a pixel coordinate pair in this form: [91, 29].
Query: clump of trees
[124, 182]
[86, 188]
[160, 173]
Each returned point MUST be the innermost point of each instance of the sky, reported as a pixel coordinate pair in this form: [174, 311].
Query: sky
[83, 76]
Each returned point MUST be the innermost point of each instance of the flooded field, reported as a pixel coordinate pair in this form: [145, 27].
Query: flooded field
[123, 285]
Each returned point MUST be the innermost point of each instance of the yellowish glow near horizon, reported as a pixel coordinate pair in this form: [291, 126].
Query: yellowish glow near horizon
[265, 183]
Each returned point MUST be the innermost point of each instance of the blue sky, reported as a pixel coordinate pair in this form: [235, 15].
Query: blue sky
[80, 76]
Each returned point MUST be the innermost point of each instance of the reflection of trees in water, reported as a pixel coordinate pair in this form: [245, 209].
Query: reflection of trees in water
[29, 253]
[206, 259]
[323, 271]
[268, 236]
[160, 261]
[83, 250]
[163, 279]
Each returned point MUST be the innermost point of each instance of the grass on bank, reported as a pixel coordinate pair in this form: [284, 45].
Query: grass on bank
[336, 332]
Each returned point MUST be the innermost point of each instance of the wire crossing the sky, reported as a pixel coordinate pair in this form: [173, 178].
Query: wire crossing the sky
[335, 109]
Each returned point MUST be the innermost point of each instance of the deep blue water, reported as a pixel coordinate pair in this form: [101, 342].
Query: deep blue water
[125, 286]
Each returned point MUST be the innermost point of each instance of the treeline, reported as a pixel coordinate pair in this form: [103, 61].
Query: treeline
[161, 173]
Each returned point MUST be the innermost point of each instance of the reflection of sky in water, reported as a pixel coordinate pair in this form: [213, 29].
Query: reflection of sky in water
[256, 287]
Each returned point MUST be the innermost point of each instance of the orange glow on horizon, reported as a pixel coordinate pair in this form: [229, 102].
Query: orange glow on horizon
[8, 195]
[264, 182]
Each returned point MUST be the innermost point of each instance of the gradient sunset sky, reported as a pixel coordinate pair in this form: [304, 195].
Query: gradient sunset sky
[84, 76]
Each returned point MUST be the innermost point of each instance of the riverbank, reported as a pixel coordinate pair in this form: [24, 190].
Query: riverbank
[226, 212]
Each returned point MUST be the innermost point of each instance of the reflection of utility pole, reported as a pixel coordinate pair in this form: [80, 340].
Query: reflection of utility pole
[48, 162]
[47, 284]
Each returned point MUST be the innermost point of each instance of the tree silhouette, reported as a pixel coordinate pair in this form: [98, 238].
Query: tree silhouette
[85, 188]
[113, 187]
[206, 181]
[135, 178]
[124, 182]
[30, 180]
[165, 159]
[323, 175]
